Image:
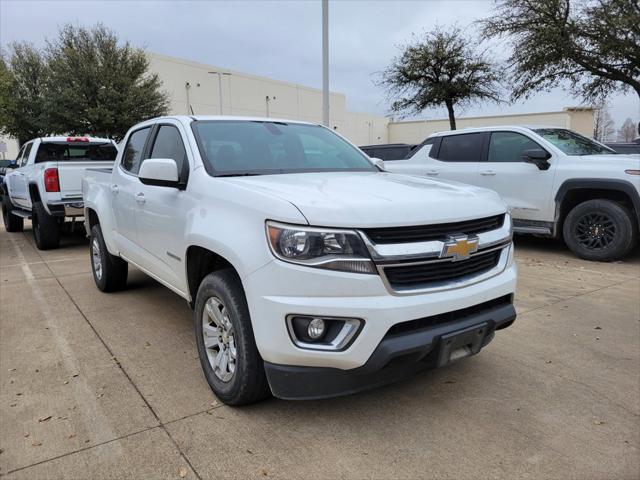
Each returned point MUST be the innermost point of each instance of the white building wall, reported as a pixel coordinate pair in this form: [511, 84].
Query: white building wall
[12, 148]
[578, 119]
[242, 94]
[192, 90]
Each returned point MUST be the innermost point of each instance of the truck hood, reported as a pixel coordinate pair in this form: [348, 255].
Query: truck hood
[376, 199]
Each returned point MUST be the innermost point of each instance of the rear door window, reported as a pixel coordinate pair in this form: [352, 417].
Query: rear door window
[461, 148]
[133, 150]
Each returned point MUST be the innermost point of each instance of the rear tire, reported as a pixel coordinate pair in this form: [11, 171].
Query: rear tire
[46, 229]
[12, 223]
[109, 272]
[600, 230]
[223, 327]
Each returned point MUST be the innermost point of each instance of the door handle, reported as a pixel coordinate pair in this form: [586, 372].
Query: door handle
[140, 198]
[433, 172]
[114, 188]
[488, 172]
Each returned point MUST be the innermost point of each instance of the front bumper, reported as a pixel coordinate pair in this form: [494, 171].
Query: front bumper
[326, 293]
[397, 357]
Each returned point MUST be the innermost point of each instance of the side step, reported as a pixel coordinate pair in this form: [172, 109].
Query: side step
[21, 213]
[533, 226]
[535, 230]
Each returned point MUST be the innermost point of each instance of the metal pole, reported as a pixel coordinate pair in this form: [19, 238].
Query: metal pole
[220, 74]
[325, 62]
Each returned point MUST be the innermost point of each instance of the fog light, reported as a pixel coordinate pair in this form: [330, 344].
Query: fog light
[316, 328]
[322, 333]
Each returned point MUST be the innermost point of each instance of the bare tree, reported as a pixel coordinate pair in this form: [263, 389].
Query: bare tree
[442, 68]
[627, 131]
[593, 45]
[603, 124]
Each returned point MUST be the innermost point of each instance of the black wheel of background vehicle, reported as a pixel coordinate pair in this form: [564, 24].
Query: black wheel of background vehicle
[12, 223]
[600, 230]
[226, 345]
[46, 229]
[109, 272]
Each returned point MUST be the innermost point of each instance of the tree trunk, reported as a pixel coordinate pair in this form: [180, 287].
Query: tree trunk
[452, 117]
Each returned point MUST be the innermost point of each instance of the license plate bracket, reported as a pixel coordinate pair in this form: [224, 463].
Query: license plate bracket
[461, 344]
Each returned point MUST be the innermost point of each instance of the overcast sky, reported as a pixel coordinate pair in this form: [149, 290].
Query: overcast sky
[282, 40]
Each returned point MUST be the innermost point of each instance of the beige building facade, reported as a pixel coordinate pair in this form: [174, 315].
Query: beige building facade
[579, 119]
[201, 89]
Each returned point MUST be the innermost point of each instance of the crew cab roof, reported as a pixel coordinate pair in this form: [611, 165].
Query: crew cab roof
[493, 128]
[190, 118]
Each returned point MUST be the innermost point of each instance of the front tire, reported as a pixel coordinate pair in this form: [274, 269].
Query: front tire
[12, 223]
[599, 230]
[109, 272]
[228, 354]
[46, 229]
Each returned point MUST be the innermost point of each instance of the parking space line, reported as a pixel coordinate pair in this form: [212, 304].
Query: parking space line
[80, 450]
[68, 354]
[40, 262]
[87, 398]
[571, 297]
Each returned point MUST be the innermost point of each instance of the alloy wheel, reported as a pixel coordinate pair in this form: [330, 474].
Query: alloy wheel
[96, 258]
[595, 231]
[219, 339]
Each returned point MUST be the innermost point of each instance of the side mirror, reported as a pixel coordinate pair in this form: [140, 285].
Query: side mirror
[378, 162]
[159, 172]
[13, 164]
[538, 157]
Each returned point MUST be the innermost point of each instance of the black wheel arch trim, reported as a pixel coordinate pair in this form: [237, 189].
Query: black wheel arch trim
[601, 184]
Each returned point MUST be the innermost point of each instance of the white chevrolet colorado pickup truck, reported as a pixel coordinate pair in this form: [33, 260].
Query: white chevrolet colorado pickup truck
[555, 181]
[45, 183]
[311, 272]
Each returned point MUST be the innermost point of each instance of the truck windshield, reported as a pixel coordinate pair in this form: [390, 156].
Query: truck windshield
[241, 147]
[573, 143]
[63, 151]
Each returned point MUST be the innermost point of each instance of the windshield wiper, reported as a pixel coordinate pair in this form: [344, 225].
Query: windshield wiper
[238, 174]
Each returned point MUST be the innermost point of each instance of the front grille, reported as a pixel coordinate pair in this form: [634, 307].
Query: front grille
[424, 233]
[428, 322]
[403, 276]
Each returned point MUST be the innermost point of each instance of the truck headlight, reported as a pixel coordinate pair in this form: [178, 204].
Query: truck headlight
[327, 248]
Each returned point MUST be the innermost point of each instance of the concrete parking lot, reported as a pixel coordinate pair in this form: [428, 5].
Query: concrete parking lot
[109, 386]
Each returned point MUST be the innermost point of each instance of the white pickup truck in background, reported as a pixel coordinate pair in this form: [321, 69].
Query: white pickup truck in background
[556, 182]
[311, 272]
[45, 184]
